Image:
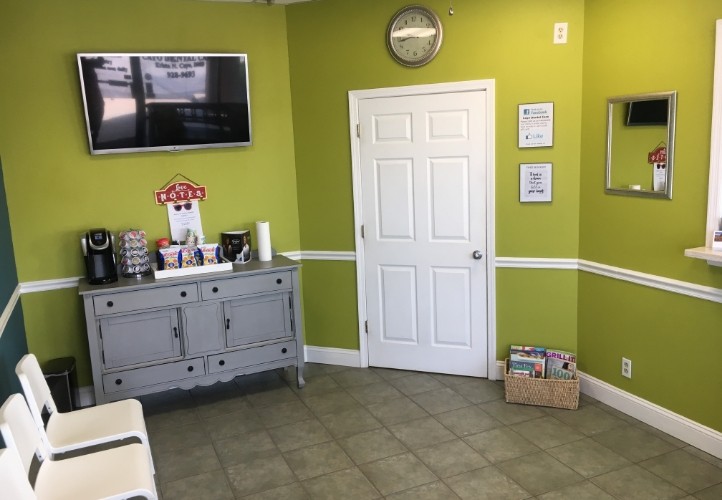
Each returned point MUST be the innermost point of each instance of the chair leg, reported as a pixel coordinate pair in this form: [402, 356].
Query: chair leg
[145, 442]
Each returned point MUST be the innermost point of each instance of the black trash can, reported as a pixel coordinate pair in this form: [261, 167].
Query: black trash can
[61, 378]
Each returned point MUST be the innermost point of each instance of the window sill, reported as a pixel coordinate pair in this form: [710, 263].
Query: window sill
[713, 257]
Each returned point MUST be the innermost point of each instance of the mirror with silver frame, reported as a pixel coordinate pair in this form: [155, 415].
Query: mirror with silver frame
[640, 144]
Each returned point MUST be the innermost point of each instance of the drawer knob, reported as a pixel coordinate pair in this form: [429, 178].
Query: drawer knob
[183, 294]
[279, 281]
[190, 368]
[284, 350]
[221, 362]
[118, 381]
[215, 289]
[110, 303]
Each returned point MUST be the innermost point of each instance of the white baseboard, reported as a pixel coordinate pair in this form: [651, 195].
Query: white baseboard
[689, 431]
[499, 370]
[332, 356]
[683, 428]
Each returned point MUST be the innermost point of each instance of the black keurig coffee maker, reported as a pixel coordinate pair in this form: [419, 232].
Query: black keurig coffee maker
[99, 251]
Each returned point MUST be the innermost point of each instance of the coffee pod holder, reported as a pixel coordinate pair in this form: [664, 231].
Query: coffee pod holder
[134, 258]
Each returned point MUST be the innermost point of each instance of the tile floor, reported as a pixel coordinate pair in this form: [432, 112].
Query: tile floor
[356, 433]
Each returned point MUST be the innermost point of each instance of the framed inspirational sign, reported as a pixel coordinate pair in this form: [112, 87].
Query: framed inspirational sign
[535, 182]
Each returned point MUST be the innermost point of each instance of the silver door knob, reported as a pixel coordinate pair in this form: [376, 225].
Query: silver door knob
[477, 254]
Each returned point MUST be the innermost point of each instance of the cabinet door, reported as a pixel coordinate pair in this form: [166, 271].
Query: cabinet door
[203, 328]
[140, 338]
[259, 318]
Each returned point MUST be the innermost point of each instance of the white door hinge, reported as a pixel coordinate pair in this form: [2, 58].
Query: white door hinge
[358, 130]
[363, 235]
[366, 326]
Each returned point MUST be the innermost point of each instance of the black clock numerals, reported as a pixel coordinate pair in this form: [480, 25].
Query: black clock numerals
[414, 36]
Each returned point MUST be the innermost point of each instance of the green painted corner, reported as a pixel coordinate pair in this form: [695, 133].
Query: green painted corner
[536, 307]
[55, 326]
[330, 307]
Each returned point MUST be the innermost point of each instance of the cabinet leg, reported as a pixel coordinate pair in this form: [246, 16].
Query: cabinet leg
[299, 377]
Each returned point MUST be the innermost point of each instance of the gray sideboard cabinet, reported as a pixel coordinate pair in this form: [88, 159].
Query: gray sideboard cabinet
[147, 335]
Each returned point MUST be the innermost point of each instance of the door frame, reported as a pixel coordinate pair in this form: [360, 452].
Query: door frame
[354, 97]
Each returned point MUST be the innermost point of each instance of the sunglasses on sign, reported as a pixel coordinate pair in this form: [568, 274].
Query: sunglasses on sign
[180, 206]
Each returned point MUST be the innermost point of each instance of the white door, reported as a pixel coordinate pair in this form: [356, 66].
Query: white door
[423, 181]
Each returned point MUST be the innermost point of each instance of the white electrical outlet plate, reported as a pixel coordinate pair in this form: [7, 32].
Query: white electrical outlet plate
[626, 368]
[560, 32]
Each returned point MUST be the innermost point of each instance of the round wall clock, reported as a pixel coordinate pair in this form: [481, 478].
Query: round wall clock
[414, 35]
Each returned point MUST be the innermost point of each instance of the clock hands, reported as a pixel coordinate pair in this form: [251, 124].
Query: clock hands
[409, 33]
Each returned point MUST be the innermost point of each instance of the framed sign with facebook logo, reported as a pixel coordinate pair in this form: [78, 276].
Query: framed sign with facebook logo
[536, 125]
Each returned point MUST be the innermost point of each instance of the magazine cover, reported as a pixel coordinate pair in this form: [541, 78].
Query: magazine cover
[529, 354]
[561, 364]
[527, 368]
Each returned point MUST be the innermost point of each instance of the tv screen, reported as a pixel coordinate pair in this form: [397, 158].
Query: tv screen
[652, 112]
[165, 102]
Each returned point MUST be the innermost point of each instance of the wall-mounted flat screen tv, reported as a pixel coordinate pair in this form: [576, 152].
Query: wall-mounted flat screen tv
[650, 112]
[165, 102]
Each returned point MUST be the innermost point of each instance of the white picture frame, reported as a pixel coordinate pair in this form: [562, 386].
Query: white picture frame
[536, 125]
[535, 182]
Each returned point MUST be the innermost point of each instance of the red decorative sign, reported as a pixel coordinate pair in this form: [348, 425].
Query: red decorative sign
[659, 155]
[180, 191]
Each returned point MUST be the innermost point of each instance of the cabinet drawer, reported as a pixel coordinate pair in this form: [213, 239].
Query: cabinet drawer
[253, 356]
[145, 299]
[158, 374]
[221, 289]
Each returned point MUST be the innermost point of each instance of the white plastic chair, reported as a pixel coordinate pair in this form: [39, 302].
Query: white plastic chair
[13, 477]
[80, 428]
[117, 473]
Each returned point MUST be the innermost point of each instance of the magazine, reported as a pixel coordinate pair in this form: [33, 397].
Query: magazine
[527, 369]
[528, 358]
[561, 364]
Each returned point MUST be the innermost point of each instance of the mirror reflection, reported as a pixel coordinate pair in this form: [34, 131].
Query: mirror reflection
[640, 144]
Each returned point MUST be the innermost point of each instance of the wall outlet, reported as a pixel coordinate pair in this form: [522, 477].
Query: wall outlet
[626, 368]
[560, 32]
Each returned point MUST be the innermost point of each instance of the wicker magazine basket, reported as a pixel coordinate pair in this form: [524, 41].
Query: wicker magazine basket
[541, 391]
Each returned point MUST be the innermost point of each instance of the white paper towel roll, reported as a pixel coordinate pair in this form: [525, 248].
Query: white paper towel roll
[263, 236]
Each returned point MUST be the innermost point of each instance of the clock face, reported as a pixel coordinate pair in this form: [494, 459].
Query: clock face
[414, 35]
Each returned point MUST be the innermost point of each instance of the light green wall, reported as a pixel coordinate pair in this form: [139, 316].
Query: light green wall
[637, 233]
[336, 46]
[538, 305]
[49, 337]
[664, 334]
[329, 304]
[668, 337]
[56, 189]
